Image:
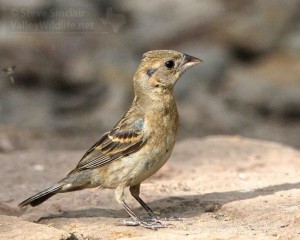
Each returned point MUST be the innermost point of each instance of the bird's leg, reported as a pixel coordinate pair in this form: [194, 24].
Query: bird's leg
[119, 195]
[135, 192]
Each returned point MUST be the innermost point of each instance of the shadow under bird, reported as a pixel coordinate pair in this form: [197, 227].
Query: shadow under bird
[139, 144]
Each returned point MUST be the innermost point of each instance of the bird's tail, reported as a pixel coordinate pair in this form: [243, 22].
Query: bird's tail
[42, 196]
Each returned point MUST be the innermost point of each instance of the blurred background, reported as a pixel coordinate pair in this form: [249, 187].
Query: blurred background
[67, 67]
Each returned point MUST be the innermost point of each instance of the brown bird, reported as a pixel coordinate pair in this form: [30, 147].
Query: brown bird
[139, 144]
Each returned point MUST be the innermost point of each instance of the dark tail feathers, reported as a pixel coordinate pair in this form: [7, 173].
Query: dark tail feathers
[42, 196]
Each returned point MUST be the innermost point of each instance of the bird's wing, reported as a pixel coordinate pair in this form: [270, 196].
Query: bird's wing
[111, 146]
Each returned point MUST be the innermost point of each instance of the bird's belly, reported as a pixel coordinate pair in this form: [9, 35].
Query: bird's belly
[146, 167]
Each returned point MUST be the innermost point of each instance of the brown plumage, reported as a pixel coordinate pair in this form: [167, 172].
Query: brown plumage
[139, 144]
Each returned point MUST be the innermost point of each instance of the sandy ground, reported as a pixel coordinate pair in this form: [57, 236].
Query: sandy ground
[222, 187]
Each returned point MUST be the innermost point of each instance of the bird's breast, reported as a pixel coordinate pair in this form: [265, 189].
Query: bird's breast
[161, 124]
[161, 129]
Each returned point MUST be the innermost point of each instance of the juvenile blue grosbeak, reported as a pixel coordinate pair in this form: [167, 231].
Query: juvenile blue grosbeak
[139, 144]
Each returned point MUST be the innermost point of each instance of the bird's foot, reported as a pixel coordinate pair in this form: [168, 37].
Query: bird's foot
[173, 218]
[154, 218]
[152, 224]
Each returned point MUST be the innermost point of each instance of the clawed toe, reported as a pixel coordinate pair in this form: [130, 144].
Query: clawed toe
[152, 224]
[172, 219]
[127, 222]
[155, 218]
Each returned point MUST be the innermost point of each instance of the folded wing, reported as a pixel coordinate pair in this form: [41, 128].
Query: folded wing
[112, 146]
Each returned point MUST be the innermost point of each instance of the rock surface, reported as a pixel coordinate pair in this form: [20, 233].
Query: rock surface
[16, 228]
[223, 187]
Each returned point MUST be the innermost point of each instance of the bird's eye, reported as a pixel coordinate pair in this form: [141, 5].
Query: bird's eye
[169, 64]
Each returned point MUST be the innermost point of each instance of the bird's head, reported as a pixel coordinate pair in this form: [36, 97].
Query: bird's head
[159, 70]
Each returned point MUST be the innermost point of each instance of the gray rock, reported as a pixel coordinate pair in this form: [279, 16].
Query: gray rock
[257, 26]
[271, 85]
[157, 22]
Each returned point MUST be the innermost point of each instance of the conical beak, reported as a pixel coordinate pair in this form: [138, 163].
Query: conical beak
[188, 62]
